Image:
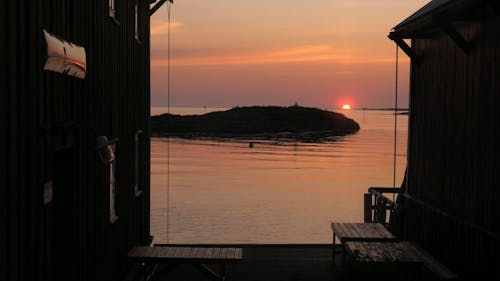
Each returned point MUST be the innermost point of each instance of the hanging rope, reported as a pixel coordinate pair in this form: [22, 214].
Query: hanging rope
[395, 120]
[169, 13]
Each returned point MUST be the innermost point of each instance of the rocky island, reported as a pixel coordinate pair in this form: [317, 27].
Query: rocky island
[256, 122]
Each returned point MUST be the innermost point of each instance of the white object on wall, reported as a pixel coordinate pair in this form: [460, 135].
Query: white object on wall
[65, 57]
[112, 190]
[47, 192]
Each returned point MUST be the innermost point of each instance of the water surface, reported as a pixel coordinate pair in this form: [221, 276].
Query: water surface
[276, 192]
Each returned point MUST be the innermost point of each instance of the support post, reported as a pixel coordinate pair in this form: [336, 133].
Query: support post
[402, 44]
[368, 207]
[381, 210]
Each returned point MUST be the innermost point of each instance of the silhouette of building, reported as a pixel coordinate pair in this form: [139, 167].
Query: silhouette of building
[64, 212]
[452, 202]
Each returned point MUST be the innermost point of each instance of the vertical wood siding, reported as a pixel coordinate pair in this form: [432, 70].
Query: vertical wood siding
[454, 204]
[113, 100]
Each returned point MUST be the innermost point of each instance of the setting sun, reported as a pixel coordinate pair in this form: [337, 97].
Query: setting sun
[346, 106]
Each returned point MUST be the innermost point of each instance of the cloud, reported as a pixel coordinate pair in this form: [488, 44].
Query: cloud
[378, 4]
[296, 54]
[161, 27]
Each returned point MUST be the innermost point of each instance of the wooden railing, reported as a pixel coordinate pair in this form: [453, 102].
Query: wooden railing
[377, 207]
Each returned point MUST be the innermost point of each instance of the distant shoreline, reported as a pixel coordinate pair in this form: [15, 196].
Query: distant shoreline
[257, 122]
[200, 110]
[383, 109]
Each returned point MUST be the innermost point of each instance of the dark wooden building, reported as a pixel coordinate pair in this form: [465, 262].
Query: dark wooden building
[64, 213]
[452, 197]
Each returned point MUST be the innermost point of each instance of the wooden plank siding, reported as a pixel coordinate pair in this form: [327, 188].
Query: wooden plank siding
[452, 208]
[113, 100]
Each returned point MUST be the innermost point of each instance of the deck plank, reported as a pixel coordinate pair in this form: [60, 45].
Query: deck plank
[361, 231]
[349, 231]
[176, 251]
[194, 253]
[239, 253]
[170, 251]
[344, 232]
[230, 253]
[382, 252]
[201, 252]
[339, 230]
[352, 229]
[223, 253]
[215, 253]
[358, 230]
[209, 252]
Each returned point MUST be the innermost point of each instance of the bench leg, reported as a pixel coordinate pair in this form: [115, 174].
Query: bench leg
[151, 274]
[333, 249]
[210, 273]
[145, 272]
[223, 271]
[343, 254]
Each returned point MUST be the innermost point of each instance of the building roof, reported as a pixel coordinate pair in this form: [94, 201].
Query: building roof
[425, 10]
[426, 17]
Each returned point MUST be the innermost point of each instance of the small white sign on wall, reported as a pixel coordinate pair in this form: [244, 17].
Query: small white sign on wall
[47, 192]
[112, 190]
[65, 57]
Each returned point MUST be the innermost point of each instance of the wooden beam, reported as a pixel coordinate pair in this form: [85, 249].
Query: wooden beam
[445, 25]
[456, 37]
[157, 6]
[402, 44]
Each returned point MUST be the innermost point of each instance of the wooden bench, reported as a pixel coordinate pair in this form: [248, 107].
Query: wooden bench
[400, 253]
[197, 256]
[372, 232]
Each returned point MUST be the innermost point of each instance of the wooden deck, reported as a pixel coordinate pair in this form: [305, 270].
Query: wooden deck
[285, 263]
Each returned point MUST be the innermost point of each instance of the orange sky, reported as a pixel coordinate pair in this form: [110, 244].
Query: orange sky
[318, 53]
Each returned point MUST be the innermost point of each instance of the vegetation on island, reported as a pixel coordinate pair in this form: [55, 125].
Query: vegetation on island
[260, 122]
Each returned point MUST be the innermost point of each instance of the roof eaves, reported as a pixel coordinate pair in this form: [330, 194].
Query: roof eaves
[425, 18]
[424, 11]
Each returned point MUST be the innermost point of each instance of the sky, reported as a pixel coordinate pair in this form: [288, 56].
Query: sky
[320, 53]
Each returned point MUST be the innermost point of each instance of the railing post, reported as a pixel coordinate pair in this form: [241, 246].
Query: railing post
[380, 204]
[381, 210]
[368, 207]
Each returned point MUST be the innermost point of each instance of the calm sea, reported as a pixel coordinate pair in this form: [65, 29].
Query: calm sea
[276, 192]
